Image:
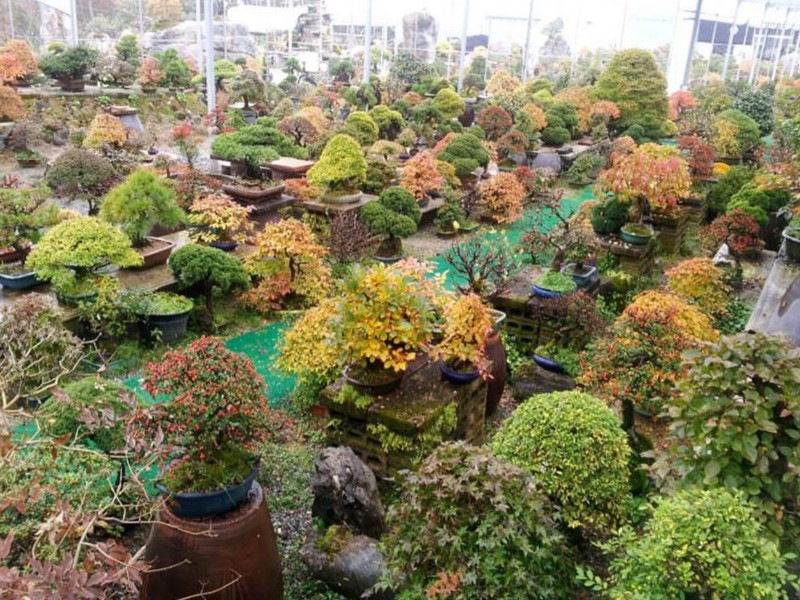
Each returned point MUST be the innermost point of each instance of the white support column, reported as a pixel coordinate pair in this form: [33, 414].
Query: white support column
[754, 66]
[695, 32]
[779, 50]
[462, 59]
[198, 10]
[368, 44]
[11, 17]
[211, 83]
[713, 38]
[73, 17]
[794, 55]
[527, 55]
[733, 32]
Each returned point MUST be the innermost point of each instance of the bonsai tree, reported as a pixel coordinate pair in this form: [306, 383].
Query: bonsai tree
[510, 144]
[128, 50]
[218, 410]
[211, 270]
[256, 145]
[23, 213]
[81, 174]
[12, 108]
[699, 154]
[70, 64]
[300, 129]
[421, 177]
[390, 122]
[70, 253]
[735, 134]
[217, 218]
[484, 266]
[583, 436]
[450, 217]
[341, 69]
[174, 68]
[466, 324]
[105, 130]
[466, 154]
[341, 168]
[503, 195]
[361, 127]
[495, 121]
[247, 86]
[150, 74]
[394, 215]
[140, 203]
[449, 103]
[288, 264]
[18, 61]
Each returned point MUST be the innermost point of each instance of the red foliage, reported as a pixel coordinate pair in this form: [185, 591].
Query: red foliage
[495, 121]
[699, 154]
[737, 229]
[680, 102]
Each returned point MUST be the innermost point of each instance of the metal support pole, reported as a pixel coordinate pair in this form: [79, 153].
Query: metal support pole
[794, 56]
[624, 25]
[754, 58]
[713, 39]
[574, 48]
[527, 55]
[777, 57]
[695, 31]
[11, 17]
[211, 84]
[198, 9]
[733, 32]
[141, 20]
[462, 59]
[486, 62]
[224, 30]
[73, 17]
[368, 43]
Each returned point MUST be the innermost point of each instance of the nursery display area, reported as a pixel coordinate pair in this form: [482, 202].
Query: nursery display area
[389, 340]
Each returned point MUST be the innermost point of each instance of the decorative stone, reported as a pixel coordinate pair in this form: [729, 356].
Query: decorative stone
[420, 32]
[531, 379]
[346, 492]
[183, 37]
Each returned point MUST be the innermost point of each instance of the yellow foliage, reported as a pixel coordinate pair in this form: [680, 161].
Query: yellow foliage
[310, 346]
[663, 306]
[105, 130]
[701, 283]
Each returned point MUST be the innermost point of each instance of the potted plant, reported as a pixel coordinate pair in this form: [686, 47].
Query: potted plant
[462, 351]
[502, 196]
[637, 234]
[217, 412]
[340, 170]
[70, 254]
[80, 174]
[385, 321]
[395, 215]
[28, 159]
[791, 239]
[167, 314]
[23, 213]
[254, 146]
[421, 177]
[150, 75]
[208, 270]
[608, 216]
[511, 149]
[137, 206]
[554, 284]
[248, 87]
[449, 219]
[219, 222]
[466, 154]
[69, 67]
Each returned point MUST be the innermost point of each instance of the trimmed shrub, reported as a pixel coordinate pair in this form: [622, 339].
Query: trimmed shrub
[390, 122]
[466, 154]
[361, 126]
[574, 446]
[341, 167]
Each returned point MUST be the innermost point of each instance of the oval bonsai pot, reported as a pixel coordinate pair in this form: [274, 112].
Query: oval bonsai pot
[28, 163]
[454, 376]
[247, 195]
[172, 327]
[346, 198]
[469, 227]
[792, 245]
[202, 505]
[156, 256]
[446, 234]
[72, 85]
[10, 255]
[544, 292]
[548, 364]
[20, 281]
[224, 246]
[634, 237]
[373, 389]
[583, 278]
[76, 299]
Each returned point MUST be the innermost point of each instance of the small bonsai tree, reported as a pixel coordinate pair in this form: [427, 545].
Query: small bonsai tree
[150, 74]
[450, 217]
[18, 53]
[174, 68]
[390, 122]
[361, 127]
[128, 50]
[699, 544]
[72, 63]
[583, 436]
[495, 121]
[300, 129]
[23, 213]
[484, 267]
[12, 108]
[510, 144]
[140, 203]
[341, 168]
[449, 103]
[217, 218]
[467, 323]
[421, 177]
[466, 154]
[395, 215]
[211, 270]
[70, 253]
[503, 196]
[105, 130]
[81, 174]
[247, 86]
[735, 134]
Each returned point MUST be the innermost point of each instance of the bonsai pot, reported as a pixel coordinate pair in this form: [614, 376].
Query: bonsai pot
[390, 251]
[423, 202]
[76, 299]
[469, 226]
[202, 505]
[729, 160]
[72, 85]
[343, 198]
[150, 89]
[172, 327]
[19, 281]
[390, 382]
[250, 116]
[548, 364]
[636, 235]
[254, 195]
[224, 246]
[583, 276]
[544, 292]
[564, 150]
[456, 376]
[792, 245]
[10, 255]
[156, 252]
[28, 162]
[447, 233]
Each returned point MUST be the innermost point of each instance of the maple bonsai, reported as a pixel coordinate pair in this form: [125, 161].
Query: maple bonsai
[218, 220]
[421, 177]
[503, 195]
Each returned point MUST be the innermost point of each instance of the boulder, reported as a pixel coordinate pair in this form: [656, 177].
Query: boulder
[183, 37]
[420, 32]
[346, 492]
[531, 379]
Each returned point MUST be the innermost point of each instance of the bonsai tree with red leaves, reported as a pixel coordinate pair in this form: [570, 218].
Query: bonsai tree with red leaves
[699, 154]
[218, 408]
[495, 121]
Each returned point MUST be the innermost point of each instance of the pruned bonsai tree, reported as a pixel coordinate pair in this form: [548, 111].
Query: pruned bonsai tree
[248, 86]
[210, 270]
[483, 267]
[341, 169]
[140, 203]
[23, 213]
[80, 174]
[394, 215]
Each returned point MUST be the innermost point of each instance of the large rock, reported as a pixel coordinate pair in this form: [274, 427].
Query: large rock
[531, 379]
[183, 37]
[420, 32]
[352, 570]
[346, 492]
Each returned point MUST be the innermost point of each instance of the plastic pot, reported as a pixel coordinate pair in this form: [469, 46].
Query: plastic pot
[456, 376]
[202, 505]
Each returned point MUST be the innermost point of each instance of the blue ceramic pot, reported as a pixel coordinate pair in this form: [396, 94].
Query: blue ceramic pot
[548, 364]
[545, 293]
[23, 281]
[581, 279]
[202, 505]
[456, 376]
[224, 246]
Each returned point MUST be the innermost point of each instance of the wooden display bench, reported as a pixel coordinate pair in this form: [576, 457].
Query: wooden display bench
[330, 209]
[288, 168]
[696, 209]
[672, 228]
[633, 259]
[415, 409]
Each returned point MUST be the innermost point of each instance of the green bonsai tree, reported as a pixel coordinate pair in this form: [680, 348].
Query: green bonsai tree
[213, 271]
[466, 154]
[80, 174]
[361, 126]
[450, 217]
[128, 50]
[390, 122]
[175, 72]
[449, 103]
[395, 215]
[140, 203]
[248, 86]
[70, 253]
[72, 63]
[23, 213]
[341, 168]
[256, 145]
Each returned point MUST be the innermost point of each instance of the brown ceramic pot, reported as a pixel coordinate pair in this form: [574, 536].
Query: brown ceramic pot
[496, 353]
